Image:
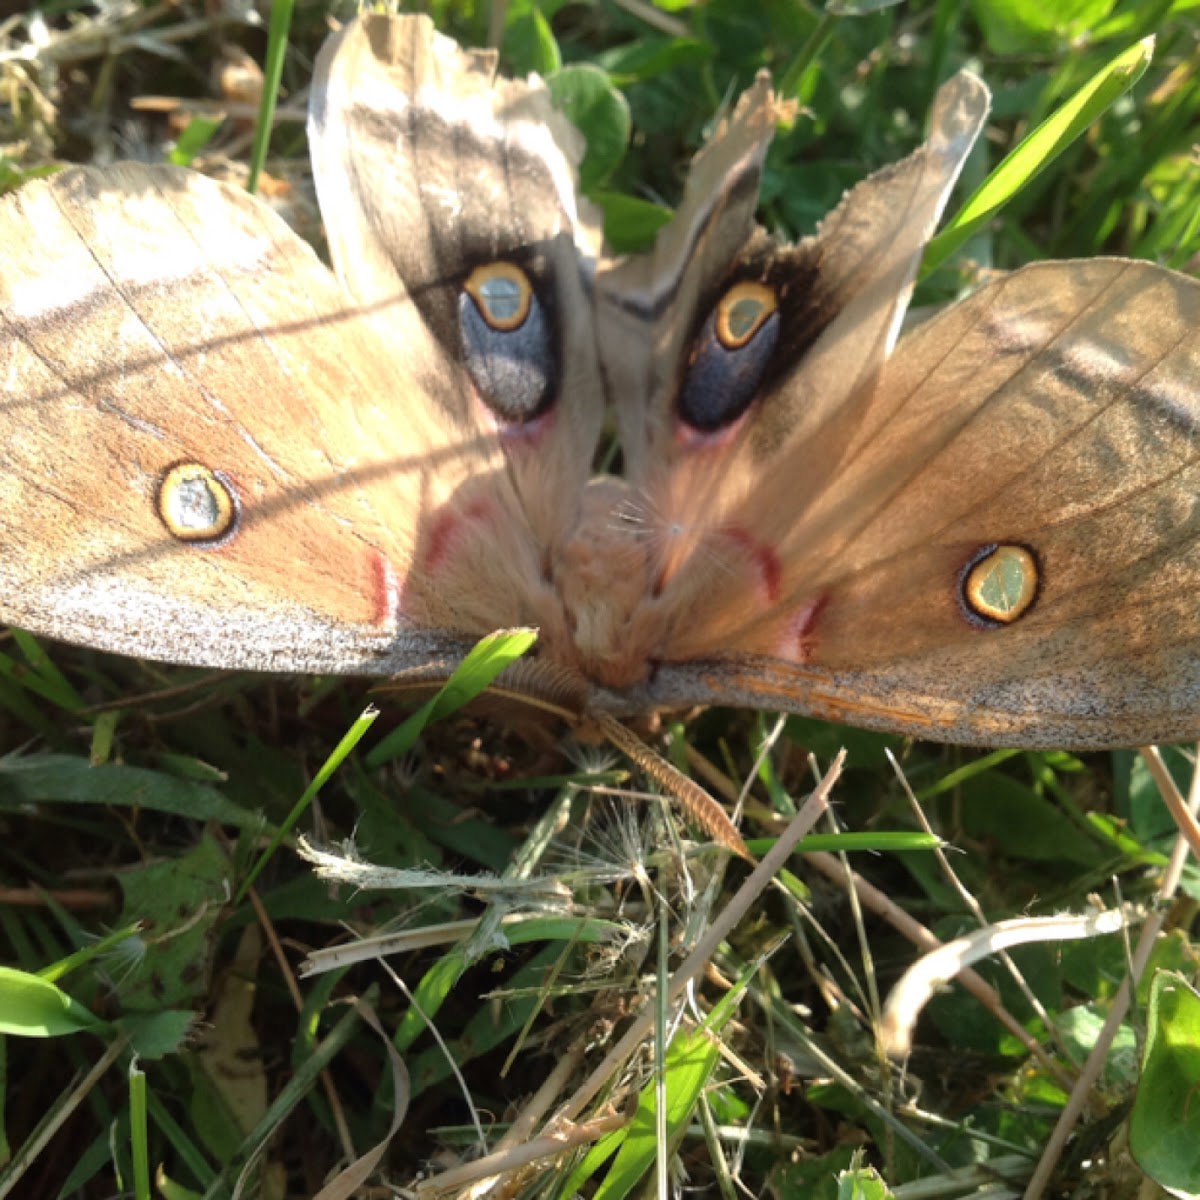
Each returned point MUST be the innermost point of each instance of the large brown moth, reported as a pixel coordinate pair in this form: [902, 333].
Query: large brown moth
[216, 451]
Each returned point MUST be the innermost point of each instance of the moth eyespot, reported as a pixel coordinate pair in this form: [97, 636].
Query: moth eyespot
[1000, 584]
[506, 342]
[197, 504]
[502, 294]
[729, 357]
[742, 312]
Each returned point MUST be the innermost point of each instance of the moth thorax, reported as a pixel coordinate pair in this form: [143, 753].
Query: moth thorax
[603, 578]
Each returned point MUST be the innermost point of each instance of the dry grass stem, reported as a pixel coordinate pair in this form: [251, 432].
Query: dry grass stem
[918, 984]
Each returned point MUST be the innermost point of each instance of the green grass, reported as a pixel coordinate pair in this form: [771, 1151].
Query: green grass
[154, 1025]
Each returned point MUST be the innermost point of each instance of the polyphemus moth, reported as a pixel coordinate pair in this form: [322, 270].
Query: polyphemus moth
[216, 451]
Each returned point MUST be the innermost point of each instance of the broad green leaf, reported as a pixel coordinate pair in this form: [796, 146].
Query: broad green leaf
[1164, 1128]
[689, 1063]
[1096, 967]
[1079, 1028]
[31, 1006]
[529, 45]
[1017, 821]
[1022, 26]
[181, 902]
[630, 224]
[66, 779]
[600, 112]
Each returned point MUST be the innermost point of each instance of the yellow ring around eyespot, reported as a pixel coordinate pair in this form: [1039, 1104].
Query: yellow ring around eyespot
[1003, 584]
[195, 504]
[502, 293]
[742, 311]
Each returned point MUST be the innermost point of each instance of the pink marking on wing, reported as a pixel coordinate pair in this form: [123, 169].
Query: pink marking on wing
[446, 530]
[764, 560]
[386, 590]
[701, 440]
[531, 433]
[798, 641]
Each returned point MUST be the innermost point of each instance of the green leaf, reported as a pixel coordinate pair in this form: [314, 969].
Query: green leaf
[31, 1006]
[1149, 818]
[104, 733]
[139, 1148]
[170, 1190]
[815, 1178]
[277, 43]
[881, 842]
[859, 8]
[13, 174]
[1081, 1027]
[67, 779]
[155, 1035]
[51, 682]
[599, 1153]
[1164, 1128]
[862, 1183]
[530, 46]
[475, 674]
[1023, 26]
[181, 903]
[197, 134]
[600, 112]
[649, 56]
[1020, 823]
[966, 1024]
[630, 224]
[341, 751]
[1096, 967]
[86, 1163]
[689, 1063]
[1039, 149]
[428, 997]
